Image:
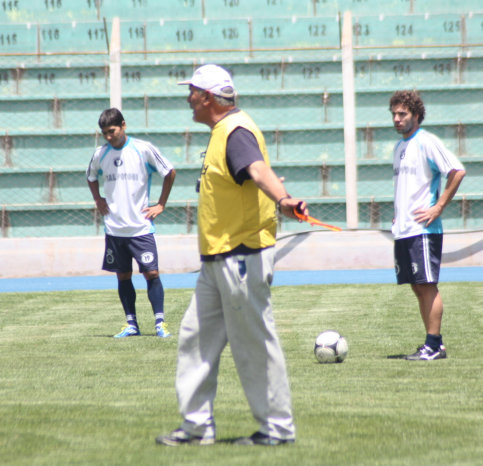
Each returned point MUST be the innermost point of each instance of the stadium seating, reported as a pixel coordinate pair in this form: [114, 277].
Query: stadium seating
[286, 61]
[408, 30]
[51, 11]
[445, 6]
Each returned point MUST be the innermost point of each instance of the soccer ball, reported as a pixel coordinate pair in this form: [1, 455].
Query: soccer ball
[330, 347]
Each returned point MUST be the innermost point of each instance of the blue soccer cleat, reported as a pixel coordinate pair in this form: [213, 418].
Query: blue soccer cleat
[128, 331]
[162, 330]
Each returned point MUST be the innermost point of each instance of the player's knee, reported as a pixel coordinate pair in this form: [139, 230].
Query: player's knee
[151, 274]
[122, 276]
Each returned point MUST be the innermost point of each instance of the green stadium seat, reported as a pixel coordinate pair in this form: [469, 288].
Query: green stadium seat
[317, 74]
[303, 180]
[375, 179]
[302, 108]
[377, 143]
[305, 145]
[36, 80]
[60, 149]
[294, 108]
[184, 35]
[146, 10]
[49, 11]
[464, 108]
[71, 187]
[26, 188]
[150, 112]
[407, 30]
[474, 28]
[52, 220]
[446, 6]
[75, 37]
[181, 147]
[183, 188]
[295, 33]
[278, 75]
[399, 7]
[151, 77]
[26, 114]
[17, 38]
[416, 72]
[267, 75]
[372, 107]
[29, 114]
[229, 9]
[82, 113]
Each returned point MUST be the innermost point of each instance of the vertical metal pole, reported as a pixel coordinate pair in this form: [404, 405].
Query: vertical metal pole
[348, 86]
[115, 64]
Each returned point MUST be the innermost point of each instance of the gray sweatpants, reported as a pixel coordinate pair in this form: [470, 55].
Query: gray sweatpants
[232, 303]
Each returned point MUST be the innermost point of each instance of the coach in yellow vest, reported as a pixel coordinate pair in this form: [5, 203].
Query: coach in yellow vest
[237, 219]
[231, 214]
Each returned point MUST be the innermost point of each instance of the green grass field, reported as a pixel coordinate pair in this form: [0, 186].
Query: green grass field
[71, 394]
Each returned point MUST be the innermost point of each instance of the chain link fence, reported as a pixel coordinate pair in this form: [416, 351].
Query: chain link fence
[55, 81]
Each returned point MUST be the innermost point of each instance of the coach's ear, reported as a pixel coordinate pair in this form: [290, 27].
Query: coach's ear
[207, 97]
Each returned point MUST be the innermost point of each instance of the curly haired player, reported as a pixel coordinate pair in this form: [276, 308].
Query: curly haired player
[420, 159]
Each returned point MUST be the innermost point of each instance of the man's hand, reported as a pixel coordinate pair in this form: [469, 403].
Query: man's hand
[288, 204]
[428, 216]
[153, 211]
[102, 206]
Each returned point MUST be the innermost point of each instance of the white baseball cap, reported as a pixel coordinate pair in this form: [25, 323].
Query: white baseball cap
[213, 78]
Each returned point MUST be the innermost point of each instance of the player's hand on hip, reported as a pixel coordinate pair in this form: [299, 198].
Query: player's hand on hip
[427, 216]
[153, 211]
[102, 206]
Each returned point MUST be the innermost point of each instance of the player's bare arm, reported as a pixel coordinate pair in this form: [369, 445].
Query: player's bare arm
[153, 211]
[453, 182]
[100, 201]
[266, 179]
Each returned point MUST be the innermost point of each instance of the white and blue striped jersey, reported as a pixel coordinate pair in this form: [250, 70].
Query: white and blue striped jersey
[419, 162]
[126, 175]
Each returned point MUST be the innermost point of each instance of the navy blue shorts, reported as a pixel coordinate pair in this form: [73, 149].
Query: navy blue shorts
[418, 258]
[121, 251]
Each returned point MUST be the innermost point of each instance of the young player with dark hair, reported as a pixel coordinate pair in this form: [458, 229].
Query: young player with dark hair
[126, 165]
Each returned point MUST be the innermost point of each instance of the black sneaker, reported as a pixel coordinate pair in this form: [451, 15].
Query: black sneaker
[259, 438]
[181, 437]
[425, 353]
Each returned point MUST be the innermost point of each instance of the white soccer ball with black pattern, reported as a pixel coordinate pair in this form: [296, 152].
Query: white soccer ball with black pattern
[330, 347]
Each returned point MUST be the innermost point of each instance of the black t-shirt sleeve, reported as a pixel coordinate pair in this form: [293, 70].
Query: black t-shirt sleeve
[241, 151]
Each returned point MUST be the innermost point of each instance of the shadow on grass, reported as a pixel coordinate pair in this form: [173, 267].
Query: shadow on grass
[144, 335]
[397, 356]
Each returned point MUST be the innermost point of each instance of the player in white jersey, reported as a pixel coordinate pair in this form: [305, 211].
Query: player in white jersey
[420, 160]
[125, 165]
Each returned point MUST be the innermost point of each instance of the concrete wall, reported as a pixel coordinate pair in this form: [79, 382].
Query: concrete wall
[313, 250]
